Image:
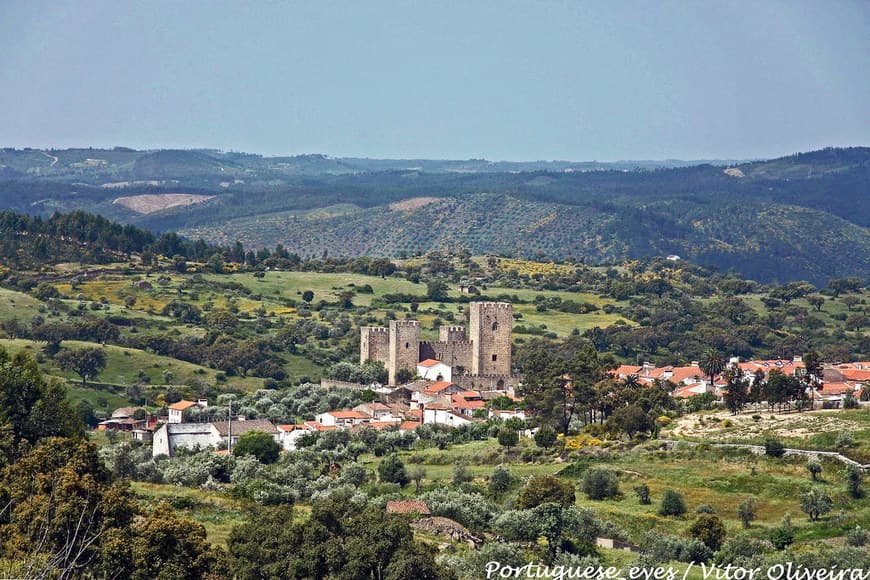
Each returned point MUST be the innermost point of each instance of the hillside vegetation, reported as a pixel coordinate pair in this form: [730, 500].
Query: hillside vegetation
[804, 216]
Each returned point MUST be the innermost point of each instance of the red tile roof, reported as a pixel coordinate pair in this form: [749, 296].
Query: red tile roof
[182, 405]
[429, 362]
[439, 386]
[347, 414]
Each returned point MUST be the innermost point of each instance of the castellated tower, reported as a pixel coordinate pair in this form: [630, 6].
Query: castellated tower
[404, 347]
[451, 334]
[490, 325]
[374, 344]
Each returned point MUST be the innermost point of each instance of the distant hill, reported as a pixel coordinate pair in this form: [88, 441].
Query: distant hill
[804, 216]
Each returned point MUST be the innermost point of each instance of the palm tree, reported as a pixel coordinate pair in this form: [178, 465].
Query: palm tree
[712, 363]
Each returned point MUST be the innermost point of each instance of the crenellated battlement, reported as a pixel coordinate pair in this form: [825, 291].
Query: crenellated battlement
[375, 329]
[444, 343]
[404, 323]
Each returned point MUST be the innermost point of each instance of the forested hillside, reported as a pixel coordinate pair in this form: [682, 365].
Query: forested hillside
[804, 216]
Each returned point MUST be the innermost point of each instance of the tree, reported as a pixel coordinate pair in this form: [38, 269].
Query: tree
[545, 488]
[436, 291]
[814, 466]
[773, 447]
[85, 362]
[712, 363]
[816, 503]
[600, 484]
[709, 529]
[507, 437]
[392, 470]
[816, 301]
[259, 444]
[642, 492]
[166, 546]
[31, 407]
[545, 437]
[500, 480]
[403, 376]
[672, 504]
[747, 511]
[782, 536]
[461, 474]
[853, 481]
[561, 379]
[417, 474]
[631, 419]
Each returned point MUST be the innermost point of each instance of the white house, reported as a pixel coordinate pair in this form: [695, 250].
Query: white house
[506, 414]
[437, 415]
[341, 419]
[176, 410]
[434, 370]
[172, 436]
[288, 435]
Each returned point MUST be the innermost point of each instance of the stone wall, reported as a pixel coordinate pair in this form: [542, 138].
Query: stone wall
[404, 347]
[455, 354]
[490, 326]
[374, 344]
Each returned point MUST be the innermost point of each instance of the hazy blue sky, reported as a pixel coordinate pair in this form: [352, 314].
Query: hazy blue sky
[502, 80]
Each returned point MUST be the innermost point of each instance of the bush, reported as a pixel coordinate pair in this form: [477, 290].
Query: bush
[392, 470]
[773, 447]
[709, 529]
[469, 509]
[545, 437]
[500, 480]
[461, 474]
[705, 508]
[783, 535]
[857, 537]
[853, 481]
[747, 511]
[672, 504]
[259, 444]
[814, 466]
[600, 484]
[543, 489]
[642, 492]
[845, 439]
[508, 437]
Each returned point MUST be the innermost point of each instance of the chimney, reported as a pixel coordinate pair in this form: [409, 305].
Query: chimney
[694, 363]
[202, 403]
[798, 359]
[734, 360]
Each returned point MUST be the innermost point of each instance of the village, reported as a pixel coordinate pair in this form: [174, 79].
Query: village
[463, 378]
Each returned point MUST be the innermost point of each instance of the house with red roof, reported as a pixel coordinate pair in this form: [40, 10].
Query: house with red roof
[434, 370]
[177, 411]
[341, 419]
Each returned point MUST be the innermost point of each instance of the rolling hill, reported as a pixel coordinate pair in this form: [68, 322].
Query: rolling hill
[804, 216]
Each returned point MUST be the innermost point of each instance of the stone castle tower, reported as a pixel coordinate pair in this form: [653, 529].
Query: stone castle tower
[404, 347]
[489, 327]
[483, 351]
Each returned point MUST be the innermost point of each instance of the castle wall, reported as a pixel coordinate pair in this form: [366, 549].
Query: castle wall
[374, 344]
[490, 325]
[452, 334]
[404, 347]
[456, 354]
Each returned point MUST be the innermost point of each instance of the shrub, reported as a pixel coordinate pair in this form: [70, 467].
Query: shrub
[500, 480]
[845, 439]
[508, 437]
[469, 509]
[461, 474]
[857, 537]
[545, 437]
[392, 470]
[747, 511]
[814, 466]
[782, 536]
[259, 444]
[600, 484]
[773, 447]
[853, 481]
[672, 504]
[705, 508]
[545, 488]
[709, 529]
[642, 492]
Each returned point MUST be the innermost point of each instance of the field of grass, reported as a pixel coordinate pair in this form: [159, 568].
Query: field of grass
[216, 511]
[123, 366]
[721, 480]
[18, 305]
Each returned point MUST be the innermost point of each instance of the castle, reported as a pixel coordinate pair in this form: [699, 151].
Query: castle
[483, 354]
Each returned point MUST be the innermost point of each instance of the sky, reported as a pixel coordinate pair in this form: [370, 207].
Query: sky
[501, 80]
